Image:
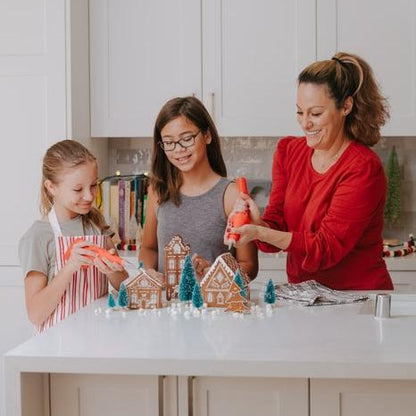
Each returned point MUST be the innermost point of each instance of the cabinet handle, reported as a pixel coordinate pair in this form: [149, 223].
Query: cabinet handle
[162, 382]
[191, 395]
[213, 106]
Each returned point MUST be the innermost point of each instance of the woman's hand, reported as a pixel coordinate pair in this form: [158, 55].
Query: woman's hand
[201, 265]
[80, 256]
[105, 265]
[248, 233]
[243, 203]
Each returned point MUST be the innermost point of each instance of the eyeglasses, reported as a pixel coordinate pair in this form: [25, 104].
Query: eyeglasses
[185, 142]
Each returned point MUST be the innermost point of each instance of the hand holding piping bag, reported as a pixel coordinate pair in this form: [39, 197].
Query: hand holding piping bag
[241, 216]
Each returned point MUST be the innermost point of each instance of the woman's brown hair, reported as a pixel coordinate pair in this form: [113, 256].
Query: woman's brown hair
[66, 154]
[166, 179]
[348, 75]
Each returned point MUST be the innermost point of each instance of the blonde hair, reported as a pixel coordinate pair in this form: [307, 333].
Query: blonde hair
[348, 75]
[66, 154]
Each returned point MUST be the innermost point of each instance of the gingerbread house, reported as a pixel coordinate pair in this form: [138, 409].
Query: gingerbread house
[145, 289]
[216, 284]
[175, 253]
[236, 302]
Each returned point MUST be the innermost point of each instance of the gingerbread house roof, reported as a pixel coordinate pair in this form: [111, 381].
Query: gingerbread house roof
[229, 265]
[155, 278]
[177, 239]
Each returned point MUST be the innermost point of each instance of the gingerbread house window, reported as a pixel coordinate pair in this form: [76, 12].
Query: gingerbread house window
[171, 264]
[210, 297]
[176, 248]
[181, 263]
[220, 298]
[171, 278]
[153, 299]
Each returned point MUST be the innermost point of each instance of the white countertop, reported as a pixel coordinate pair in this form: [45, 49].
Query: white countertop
[343, 341]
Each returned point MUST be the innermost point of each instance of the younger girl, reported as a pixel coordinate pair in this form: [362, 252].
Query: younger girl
[189, 193]
[56, 287]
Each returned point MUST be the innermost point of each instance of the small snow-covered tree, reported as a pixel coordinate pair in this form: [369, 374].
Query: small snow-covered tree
[187, 283]
[197, 300]
[110, 300]
[123, 297]
[270, 294]
[239, 280]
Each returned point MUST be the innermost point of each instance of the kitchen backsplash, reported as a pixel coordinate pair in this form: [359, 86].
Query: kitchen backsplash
[252, 158]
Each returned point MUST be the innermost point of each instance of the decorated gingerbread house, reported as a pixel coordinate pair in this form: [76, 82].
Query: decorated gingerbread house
[236, 302]
[145, 289]
[175, 253]
[216, 284]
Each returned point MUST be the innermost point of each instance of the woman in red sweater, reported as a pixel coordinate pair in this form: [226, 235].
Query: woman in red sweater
[328, 187]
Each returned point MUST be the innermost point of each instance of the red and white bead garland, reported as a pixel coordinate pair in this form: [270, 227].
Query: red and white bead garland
[411, 248]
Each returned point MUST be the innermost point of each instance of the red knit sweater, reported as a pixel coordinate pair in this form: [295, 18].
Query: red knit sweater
[336, 218]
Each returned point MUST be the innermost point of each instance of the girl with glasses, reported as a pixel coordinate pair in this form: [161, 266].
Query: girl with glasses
[189, 194]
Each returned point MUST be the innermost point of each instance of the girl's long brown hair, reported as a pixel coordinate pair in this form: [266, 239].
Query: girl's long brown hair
[66, 154]
[166, 179]
[348, 75]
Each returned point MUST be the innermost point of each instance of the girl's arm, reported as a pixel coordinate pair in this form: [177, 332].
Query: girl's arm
[42, 297]
[149, 250]
[246, 254]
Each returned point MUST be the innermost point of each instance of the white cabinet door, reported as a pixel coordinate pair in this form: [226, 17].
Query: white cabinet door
[384, 33]
[104, 395]
[252, 54]
[233, 396]
[33, 108]
[33, 116]
[338, 397]
[142, 54]
[14, 325]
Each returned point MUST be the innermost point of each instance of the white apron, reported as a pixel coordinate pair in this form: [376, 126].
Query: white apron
[87, 284]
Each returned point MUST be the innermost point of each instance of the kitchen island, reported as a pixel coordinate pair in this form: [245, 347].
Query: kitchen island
[293, 360]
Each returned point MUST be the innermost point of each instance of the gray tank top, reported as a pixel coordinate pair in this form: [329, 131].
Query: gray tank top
[199, 220]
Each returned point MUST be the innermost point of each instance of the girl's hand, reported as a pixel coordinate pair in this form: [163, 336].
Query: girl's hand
[106, 266]
[201, 265]
[80, 256]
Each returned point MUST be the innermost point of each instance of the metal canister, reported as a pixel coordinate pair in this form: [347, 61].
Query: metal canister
[383, 305]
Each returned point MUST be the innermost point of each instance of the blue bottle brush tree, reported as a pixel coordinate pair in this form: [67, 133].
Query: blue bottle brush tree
[239, 280]
[270, 294]
[197, 300]
[188, 280]
[111, 303]
[123, 297]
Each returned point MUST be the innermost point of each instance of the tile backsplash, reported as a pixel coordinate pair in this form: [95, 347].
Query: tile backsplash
[252, 158]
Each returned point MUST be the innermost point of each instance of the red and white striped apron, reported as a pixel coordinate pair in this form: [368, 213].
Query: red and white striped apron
[87, 284]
